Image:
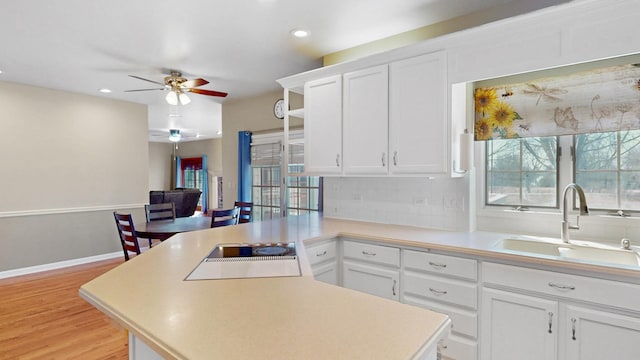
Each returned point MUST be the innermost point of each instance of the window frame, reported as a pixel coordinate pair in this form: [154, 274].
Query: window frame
[521, 206]
[285, 208]
[566, 175]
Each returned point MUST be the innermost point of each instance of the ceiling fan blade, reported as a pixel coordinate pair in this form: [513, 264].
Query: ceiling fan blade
[194, 83]
[207, 92]
[143, 90]
[143, 79]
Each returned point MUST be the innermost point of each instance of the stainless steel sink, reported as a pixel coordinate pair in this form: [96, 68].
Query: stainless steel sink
[582, 250]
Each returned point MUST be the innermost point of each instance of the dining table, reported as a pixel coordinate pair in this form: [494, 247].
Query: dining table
[164, 229]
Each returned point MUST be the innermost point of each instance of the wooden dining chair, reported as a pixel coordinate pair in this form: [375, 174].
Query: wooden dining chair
[245, 211]
[127, 232]
[164, 211]
[157, 212]
[224, 217]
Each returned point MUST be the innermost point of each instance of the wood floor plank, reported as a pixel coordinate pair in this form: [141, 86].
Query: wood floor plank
[43, 317]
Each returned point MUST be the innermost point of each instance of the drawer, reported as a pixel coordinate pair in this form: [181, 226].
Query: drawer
[464, 322]
[373, 253]
[318, 253]
[437, 288]
[457, 348]
[441, 264]
[598, 291]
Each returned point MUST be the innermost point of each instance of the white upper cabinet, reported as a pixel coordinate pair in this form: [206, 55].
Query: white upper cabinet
[365, 121]
[322, 126]
[418, 132]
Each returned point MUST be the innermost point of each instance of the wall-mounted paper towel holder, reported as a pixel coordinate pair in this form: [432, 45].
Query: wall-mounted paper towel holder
[466, 142]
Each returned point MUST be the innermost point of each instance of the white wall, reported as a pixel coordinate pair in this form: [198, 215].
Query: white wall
[68, 162]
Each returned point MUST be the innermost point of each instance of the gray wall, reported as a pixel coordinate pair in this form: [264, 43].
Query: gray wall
[160, 158]
[68, 162]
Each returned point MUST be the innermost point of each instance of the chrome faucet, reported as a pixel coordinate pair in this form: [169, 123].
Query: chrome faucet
[584, 210]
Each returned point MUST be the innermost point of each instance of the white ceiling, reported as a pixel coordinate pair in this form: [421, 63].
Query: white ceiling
[240, 46]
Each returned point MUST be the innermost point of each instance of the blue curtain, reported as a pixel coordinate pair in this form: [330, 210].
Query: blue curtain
[244, 166]
[205, 185]
[178, 172]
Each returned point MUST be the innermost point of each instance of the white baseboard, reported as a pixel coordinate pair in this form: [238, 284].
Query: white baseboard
[58, 265]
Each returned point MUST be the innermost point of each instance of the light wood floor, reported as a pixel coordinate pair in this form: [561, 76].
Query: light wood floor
[43, 317]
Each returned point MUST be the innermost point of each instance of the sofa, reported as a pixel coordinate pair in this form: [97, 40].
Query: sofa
[185, 200]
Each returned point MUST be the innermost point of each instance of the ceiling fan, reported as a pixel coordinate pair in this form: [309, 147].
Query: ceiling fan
[177, 85]
[173, 135]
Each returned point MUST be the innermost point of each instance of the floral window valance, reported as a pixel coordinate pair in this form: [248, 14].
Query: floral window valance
[601, 100]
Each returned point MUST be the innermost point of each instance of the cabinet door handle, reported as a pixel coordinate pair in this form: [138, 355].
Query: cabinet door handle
[338, 160]
[438, 292]
[550, 321]
[395, 158]
[322, 253]
[368, 253]
[437, 265]
[393, 288]
[573, 328]
[562, 287]
[383, 158]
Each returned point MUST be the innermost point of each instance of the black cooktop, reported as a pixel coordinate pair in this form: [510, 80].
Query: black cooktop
[251, 250]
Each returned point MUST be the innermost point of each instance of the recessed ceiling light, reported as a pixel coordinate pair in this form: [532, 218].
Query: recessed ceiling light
[106, 91]
[299, 33]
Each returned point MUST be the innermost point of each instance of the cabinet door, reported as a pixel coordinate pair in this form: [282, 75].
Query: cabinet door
[595, 335]
[371, 279]
[516, 326]
[418, 135]
[326, 273]
[365, 121]
[323, 126]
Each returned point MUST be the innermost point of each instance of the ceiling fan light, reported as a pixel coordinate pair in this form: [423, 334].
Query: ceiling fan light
[184, 99]
[172, 98]
[174, 135]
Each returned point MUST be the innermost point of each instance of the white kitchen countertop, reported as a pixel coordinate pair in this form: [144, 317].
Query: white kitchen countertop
[287, 317]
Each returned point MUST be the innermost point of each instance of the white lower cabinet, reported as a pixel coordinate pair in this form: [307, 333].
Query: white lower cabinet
[323, 258]
[445, 284]
[517, 326]
[370, 279]
[520, 313]
[371, 268]
[595, 335]
[544, 315]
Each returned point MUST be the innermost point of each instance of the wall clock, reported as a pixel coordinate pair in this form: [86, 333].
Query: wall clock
[278, 109]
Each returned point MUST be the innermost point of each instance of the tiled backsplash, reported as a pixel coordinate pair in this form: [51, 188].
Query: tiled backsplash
[431, 203]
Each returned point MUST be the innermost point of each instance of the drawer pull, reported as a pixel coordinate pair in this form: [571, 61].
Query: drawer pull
[393, 288]
[322, 253]
[573, 328]
[550, 321]
[437, 265]
[368, 253]
[562, 287]
[438, 292]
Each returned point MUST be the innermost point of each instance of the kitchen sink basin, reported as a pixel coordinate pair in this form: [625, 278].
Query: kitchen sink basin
[582, 250]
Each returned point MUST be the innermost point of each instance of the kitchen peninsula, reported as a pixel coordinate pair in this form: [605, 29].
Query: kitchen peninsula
[267, 318]
[455, 273]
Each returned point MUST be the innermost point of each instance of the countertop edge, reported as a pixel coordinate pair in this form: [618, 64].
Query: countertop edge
[130, 326]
